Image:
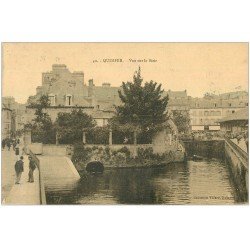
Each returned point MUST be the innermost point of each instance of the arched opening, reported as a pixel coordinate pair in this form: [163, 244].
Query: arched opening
[95, 167]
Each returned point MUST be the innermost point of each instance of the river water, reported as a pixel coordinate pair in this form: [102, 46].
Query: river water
[205, 182]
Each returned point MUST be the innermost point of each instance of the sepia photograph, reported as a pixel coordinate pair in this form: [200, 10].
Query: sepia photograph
[124, 123]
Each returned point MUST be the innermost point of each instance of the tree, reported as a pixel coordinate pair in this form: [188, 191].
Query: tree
[143, 106]
[181, 120]
[42, 127]
[70, 126]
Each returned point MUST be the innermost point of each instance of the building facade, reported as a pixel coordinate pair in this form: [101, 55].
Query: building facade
[6, 121]
[17, 112]
[236, 122]
[206, 112]
[67, 91]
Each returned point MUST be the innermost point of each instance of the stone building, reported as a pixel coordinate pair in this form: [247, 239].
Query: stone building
[6, 121]
[235, 122]
[178, 100]
[17, 112]
[68, 90]
[205, 112]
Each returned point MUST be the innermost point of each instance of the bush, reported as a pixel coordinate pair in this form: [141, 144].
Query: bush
[81, 154]
[125, 151]
[41, 136]
[145, 153]
[98, 136]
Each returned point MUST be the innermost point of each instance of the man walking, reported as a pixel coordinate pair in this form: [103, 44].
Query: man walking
[32, 167]
[19, 169]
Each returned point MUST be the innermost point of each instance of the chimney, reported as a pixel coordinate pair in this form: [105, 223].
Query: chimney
[91, 88]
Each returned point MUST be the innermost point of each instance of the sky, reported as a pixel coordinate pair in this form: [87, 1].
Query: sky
[196, 67]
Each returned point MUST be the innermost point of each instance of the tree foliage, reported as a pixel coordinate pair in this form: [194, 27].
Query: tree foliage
[142, 106]
[70, 126]
[42, 127]
[181, 120]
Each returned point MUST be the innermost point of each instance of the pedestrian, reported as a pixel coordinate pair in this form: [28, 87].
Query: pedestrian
[19, 169]
[17, 151]
[14, 144]
[8, 144]
[3, 144]
[32, 167]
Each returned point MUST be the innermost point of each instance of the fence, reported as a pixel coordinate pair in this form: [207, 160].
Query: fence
[241, 152]
[41, 182]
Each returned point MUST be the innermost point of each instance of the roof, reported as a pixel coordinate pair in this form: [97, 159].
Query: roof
[240, 115]
[177, 94]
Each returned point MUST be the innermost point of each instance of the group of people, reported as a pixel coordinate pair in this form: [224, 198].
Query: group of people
[19, 165]
[14, 143]
[19, 169]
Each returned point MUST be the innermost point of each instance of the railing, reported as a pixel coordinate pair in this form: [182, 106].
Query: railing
[41, 183]
[241, 152]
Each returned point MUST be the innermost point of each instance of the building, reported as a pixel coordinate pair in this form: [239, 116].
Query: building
[178, 100]
[205, 112]
[235, 122]
[67, 91]
[17, 112]
[6, 121]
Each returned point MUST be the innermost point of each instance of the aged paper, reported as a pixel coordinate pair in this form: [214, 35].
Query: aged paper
[124, 123]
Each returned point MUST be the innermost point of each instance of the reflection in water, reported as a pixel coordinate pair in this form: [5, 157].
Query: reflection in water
[205, 182]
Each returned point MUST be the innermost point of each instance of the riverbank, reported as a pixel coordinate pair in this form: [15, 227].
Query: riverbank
[122, 158]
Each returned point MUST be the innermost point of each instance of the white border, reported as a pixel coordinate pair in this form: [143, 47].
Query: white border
[125, 227]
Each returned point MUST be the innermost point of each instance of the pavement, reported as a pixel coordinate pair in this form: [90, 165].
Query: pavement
[24, 193]
[8, 171]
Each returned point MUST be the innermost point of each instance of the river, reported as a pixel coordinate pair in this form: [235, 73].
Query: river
[205, 182]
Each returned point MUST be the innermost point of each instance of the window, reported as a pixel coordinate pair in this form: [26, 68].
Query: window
[215, 105]
[69, 100]
[233, 111]
[230, 104]
[52, 99]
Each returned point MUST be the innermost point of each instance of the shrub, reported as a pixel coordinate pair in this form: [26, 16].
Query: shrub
[119, 158]
[98, 136]
[145, 153]
[81, 154]
[124, 150]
